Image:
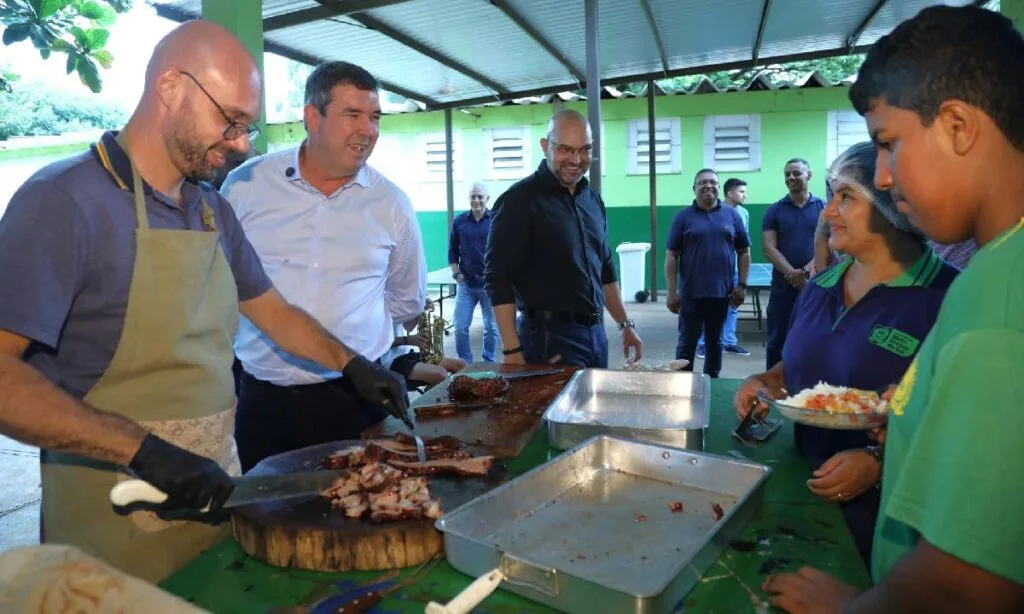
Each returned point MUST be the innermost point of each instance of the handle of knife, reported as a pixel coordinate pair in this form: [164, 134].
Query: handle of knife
[134, 495]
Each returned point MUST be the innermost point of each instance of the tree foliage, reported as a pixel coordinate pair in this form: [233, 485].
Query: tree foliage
[41, 110]
[79, 29]
[834, 69]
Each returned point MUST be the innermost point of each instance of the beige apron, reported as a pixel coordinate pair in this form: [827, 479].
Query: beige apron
[171, 372]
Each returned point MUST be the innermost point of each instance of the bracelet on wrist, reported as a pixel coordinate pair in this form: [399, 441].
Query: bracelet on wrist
[512, 351]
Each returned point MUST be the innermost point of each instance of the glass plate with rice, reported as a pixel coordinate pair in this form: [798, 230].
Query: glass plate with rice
[833, 407]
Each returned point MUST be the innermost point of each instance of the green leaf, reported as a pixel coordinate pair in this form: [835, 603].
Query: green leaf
[108, 18]
[16, 33]
[47, 8]
[72, 62]
[91, 10]
[104, 58]
[81, 38]
[90, 75]
[45, 53]
[97, 38]
[40, 37]
[61, 45]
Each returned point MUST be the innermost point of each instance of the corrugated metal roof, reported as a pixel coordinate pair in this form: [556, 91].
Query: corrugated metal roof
[450, 53]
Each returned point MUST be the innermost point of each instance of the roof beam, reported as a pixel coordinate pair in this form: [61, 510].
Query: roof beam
[538, 38]
[851, 40]
[679, 72]
[177, 14]
[654, 32]
[760, 30]
[327, 10]
[445, 60]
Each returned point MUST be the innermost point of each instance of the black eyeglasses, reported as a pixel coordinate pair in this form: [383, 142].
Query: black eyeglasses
[234, 129]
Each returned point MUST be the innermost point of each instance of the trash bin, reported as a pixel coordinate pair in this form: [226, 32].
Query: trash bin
[633, 269]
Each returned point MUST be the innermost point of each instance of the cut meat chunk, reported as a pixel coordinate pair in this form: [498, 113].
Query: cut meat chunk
[475, 466]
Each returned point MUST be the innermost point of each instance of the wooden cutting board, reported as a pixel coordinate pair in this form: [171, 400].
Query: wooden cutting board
[503, 430]
[305, 533]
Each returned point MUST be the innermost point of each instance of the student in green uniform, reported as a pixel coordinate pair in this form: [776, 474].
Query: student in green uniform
[943, 96]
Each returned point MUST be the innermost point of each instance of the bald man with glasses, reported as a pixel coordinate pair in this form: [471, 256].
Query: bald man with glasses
[123, 282]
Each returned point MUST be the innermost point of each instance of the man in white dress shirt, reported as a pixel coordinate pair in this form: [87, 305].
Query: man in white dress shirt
[341, 241]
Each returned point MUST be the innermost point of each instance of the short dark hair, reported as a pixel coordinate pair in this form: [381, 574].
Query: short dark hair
[325, 77]
[702, 171]
[945, 53]
[806, 164]
[732, 183]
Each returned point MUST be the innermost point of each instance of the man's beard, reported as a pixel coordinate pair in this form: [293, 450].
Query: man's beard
[194, 166]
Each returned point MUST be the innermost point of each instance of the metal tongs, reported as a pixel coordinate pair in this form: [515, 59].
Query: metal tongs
[756, 429]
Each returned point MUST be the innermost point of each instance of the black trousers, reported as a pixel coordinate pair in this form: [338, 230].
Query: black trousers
[707, 314]
[273, 419]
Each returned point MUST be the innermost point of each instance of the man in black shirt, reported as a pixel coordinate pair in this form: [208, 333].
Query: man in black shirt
[548, 256]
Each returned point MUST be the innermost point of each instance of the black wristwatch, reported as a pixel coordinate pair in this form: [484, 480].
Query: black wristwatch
[455, 276]
[511, 351]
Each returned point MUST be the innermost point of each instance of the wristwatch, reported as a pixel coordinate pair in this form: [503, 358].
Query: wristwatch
[455, 276]
[627, 323]
[877, 451]
[512, 351]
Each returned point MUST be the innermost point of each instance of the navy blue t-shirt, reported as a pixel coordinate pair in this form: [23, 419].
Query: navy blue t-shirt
[707, 242]
[794, 229]
[467, 245]
[868, 346]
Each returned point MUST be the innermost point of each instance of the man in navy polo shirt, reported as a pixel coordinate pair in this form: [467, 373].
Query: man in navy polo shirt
[787, 235]
[704, 242]
[466, 247]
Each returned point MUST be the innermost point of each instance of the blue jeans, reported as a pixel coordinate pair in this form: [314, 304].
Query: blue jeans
[466, 300]
[583, 346]
[728, 337]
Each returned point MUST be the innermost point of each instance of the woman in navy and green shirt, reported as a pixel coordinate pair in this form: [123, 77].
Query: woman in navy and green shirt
[858, 324]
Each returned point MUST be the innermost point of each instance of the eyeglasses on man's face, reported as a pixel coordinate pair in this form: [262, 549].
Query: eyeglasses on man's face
[566, 150]
[234, 129]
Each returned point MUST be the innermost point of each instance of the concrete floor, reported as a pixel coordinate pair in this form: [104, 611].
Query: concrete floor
[19, 464]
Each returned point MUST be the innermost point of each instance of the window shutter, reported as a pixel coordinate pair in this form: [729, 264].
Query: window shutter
[732, 142]
[667, 154]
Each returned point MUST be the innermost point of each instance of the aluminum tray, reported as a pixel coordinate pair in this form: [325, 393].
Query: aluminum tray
[567, 534]
[664, 407]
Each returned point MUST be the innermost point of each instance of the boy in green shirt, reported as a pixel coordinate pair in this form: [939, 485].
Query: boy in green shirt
[943, 96]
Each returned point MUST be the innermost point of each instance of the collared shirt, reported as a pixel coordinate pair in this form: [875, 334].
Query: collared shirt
[353, 260]
[794, 229]
[744, 215]
[467, 245]
[67, 244]
[953, 450]
[868, 345]
[707, 242]
[548, 249]
[957, 254]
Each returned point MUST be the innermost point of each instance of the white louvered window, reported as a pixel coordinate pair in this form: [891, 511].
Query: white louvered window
[845, 129]
[668, 156]
[432, 152]
[732, 143]
[509, 153]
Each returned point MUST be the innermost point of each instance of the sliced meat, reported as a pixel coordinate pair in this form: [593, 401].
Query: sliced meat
[475, 466]
[378, 476]
[385, 450]
[433, 510]
[467, 389]
[444, 441]
[345, 459]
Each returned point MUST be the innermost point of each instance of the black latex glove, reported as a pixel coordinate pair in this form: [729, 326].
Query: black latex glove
[380, 386]
[192, 482]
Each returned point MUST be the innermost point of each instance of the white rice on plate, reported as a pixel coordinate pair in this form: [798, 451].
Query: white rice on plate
[853, 403]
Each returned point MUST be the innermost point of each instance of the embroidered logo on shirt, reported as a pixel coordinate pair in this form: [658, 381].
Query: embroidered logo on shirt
[902, 393]
[896, 341]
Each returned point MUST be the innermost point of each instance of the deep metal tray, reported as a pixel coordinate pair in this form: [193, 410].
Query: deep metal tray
[569, 533]
[665, 407]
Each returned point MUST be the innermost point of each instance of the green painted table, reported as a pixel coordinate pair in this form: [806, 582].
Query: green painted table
[793, 528]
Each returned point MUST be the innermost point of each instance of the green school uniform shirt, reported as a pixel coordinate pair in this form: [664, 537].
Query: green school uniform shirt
[954, 453]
